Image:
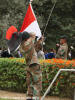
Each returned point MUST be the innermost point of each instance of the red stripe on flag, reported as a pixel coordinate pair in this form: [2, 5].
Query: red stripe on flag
[29, 18]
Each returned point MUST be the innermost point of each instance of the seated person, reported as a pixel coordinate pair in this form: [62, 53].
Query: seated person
[50, 55]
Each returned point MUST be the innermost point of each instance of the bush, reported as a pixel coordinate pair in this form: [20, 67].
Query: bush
[65, 82]
[13, 76]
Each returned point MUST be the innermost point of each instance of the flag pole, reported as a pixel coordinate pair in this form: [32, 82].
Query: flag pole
[42, 34]
[49, 17]
[48, 20]
[30, 1]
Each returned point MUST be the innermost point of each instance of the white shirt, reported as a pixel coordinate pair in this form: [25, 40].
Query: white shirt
[41, 55]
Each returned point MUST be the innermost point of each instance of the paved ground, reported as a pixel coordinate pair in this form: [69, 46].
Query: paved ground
[21, 96]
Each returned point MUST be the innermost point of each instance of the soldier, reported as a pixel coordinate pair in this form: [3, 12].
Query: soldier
[63, 49]
[72, 47]
[34, 75]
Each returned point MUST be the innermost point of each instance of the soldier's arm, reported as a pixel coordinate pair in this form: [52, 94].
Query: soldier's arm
[39, 43]
[32, 36]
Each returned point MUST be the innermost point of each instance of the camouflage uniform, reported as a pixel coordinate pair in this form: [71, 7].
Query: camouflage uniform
[62, 51]
[72, 47]
[34, 74]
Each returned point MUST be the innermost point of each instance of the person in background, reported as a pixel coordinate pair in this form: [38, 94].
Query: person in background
[5, 54]
[46, 54]
[40, 53]
[0, 51]
[50, 55]
[19, 54]
[62, 52]
[72, 47]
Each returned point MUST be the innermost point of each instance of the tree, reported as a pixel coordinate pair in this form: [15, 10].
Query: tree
[62, 21]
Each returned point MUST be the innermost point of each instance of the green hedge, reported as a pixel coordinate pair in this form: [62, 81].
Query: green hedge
[65, 83]
[12, 75]
[13, 78]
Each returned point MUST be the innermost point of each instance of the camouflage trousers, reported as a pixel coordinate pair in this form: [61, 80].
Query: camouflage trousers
[34, 81]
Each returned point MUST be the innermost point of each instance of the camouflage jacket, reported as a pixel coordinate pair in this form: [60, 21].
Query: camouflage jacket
[27, 49]
[62, 51]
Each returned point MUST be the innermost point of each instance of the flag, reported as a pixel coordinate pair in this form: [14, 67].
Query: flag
[10, 32]
[30, 23]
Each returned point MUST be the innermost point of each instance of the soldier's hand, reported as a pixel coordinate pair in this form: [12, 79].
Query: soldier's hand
[58, 45]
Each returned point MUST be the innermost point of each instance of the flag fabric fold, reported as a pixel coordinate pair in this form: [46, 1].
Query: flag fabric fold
[30, 23]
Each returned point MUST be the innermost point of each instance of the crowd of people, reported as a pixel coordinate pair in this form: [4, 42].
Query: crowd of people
[4, 53]
[62, 51]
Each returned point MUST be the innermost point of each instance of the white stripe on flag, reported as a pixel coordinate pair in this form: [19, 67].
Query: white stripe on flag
[34, 27]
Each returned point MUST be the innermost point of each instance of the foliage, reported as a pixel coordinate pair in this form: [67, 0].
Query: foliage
[65, 82]
[59, 62]
[62, 21]
[6, 99]
[13, 76]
